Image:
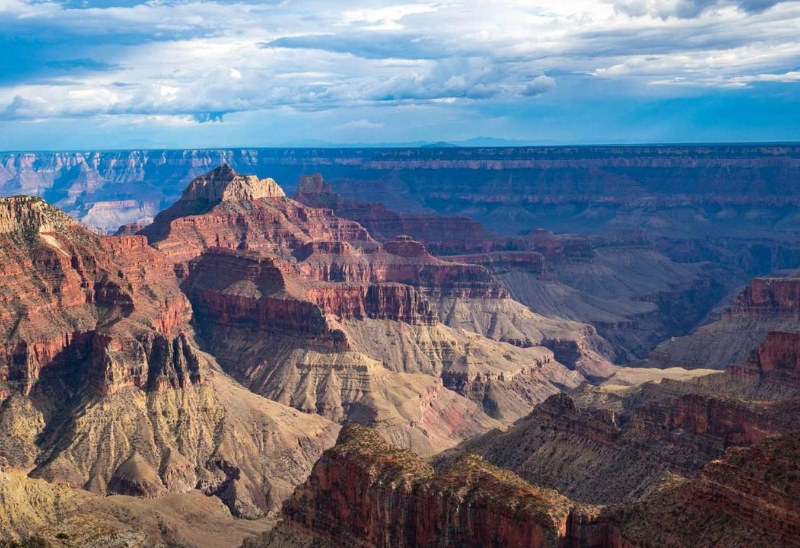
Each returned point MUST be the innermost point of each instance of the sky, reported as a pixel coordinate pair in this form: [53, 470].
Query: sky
[89, 74]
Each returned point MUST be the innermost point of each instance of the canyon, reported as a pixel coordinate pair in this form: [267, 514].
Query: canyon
[457, 317]
[709, 461]
[365, 493]
[104, 387]
[508, 190]
[673, 230]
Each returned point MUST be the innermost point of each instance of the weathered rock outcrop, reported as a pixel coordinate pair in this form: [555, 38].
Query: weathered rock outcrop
[748, 498]
[765, 305]
[775, 361]
[37, 513]
[364, 492]
[324, 297]
[103, 387]
[770, 297]
[226, 209]
[612, 446]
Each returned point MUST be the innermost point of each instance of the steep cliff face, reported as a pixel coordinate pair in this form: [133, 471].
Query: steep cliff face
[770, 297]
[324, 297]
[747, 498]
[70, 293]
[683, 190]
[364, 492]
[102, 384]
[764, 306]
[607, 446]
[776, 361]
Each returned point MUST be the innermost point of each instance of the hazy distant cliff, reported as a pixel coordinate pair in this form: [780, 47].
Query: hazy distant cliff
[508, 189]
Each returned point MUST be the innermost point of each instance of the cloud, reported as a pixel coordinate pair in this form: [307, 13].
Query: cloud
[392, 46]
[208, 117]
[687, 8]
[786, 77]
[361, 124]
[387, 18]
[539, 86]
[222, 61]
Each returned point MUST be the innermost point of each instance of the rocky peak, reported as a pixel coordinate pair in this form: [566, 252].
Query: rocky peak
[559, 404]
[28, 214]
[313, 191]
[314, 184]
[225, 184]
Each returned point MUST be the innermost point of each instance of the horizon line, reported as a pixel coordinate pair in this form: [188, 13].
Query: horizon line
[423, 146]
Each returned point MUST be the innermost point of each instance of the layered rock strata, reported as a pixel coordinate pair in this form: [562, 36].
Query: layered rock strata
[103, 386]
[364, 492]
[765, 305]
[363, 316]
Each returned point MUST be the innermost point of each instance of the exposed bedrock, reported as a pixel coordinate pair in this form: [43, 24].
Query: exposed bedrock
[102, 385]
[364, 492]
[764, 306]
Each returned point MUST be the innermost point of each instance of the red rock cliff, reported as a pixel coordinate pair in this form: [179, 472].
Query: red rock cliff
[365, 493]
[776, 360]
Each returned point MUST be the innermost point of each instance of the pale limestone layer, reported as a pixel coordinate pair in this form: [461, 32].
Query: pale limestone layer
[31, 215]
[224, 184]
[59, 515]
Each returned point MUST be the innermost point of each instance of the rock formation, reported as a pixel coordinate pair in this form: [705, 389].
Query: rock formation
[443, 235]
[599, 446]
[37, 513]
[765, 305]
[775, 361]
[103, 386]
[363, 492]
[281, 290]
[633, 295]
[747, 498]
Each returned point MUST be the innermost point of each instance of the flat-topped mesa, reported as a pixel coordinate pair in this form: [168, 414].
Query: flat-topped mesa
[31, 215]
[224, 184]
[560, 246]
[769, 297]
[405, 246]
[776, 361]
